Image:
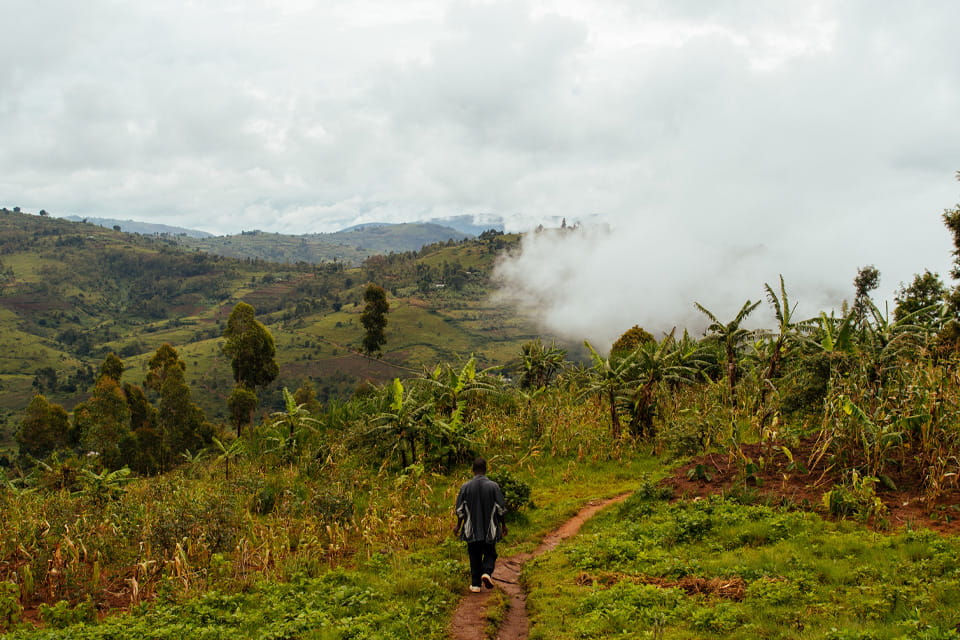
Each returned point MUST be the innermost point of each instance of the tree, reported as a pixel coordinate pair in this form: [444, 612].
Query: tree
[306, 396]
[290, 427]
[250, 347]
[867, 280]
[451, 388]
[147, 455]
[229, 452]
[924, 296]
[181, 424]
[630, 340]
[401, 427]
[45, 380]
[109, 422]
[252, 352]
[786, 334]
[241, 404]
[44, 429]
[112, 367]
[607, 377]
[654, 363]
[951, 219]
[164, 360]
[374, 318]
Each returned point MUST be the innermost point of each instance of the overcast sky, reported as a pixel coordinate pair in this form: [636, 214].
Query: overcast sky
[723, 141]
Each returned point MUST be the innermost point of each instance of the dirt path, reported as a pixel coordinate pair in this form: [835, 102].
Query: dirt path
[469, 620]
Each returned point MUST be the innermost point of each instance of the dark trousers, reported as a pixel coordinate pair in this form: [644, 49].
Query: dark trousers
[483, 558]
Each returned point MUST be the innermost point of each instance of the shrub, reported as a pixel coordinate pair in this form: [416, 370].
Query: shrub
[10, 609]
[856, 498]
[332, 507]
[265, 500]
[516, 493]
[61, 614]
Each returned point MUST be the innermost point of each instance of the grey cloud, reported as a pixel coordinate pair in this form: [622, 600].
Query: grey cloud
[725, 143]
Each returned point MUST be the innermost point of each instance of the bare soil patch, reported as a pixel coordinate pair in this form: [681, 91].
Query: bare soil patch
[777, 479]
[728, 588]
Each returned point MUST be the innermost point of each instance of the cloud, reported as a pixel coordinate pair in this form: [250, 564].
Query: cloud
[723, 143]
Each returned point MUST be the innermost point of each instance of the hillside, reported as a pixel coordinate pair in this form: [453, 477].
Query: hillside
[71, 292]
[350, 246]
[145, 228]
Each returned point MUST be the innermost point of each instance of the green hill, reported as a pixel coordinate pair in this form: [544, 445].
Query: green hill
[71, 292]
[351, 246]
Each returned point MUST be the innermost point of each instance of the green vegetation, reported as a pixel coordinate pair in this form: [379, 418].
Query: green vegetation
[330, 517]
[71, 293]
[719, 569]
[374, 318]
[351, 246]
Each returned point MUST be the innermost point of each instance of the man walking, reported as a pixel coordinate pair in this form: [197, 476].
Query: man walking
[480, 508]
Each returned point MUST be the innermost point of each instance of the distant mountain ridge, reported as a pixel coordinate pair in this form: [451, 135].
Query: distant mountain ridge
[144, 228]
[351, 245]
[466, 226]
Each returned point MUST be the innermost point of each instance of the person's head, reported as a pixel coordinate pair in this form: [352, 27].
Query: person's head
[479, 467]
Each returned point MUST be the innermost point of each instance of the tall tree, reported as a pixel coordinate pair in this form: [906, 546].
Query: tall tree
[180, 424]
[867, 280]
[112, 367]
[44, 429]
[250, 347]
[109, 422]
[164, 360]
[146, 456]
[252, 352]
[374, 318]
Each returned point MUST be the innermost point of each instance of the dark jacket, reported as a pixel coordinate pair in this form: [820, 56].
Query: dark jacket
[480, 508]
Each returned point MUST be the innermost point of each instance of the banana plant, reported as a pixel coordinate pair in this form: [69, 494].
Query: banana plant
[731, 336]
[607, 378]
[290, 428]
[450, 387]
[652, 364]
[401, 428]
[229, 452]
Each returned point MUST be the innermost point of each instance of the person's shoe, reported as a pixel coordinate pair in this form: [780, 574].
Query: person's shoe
[487, 581]
[475, 589]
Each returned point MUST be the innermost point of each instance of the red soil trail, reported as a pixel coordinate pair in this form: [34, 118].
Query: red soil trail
[470, 621]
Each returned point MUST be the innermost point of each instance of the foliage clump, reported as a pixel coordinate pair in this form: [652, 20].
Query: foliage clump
[516, 492]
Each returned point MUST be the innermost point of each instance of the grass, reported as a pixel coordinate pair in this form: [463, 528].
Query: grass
[402, 581]
[801, 577]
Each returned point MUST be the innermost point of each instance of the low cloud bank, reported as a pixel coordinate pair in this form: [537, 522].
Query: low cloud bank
[596, 282]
